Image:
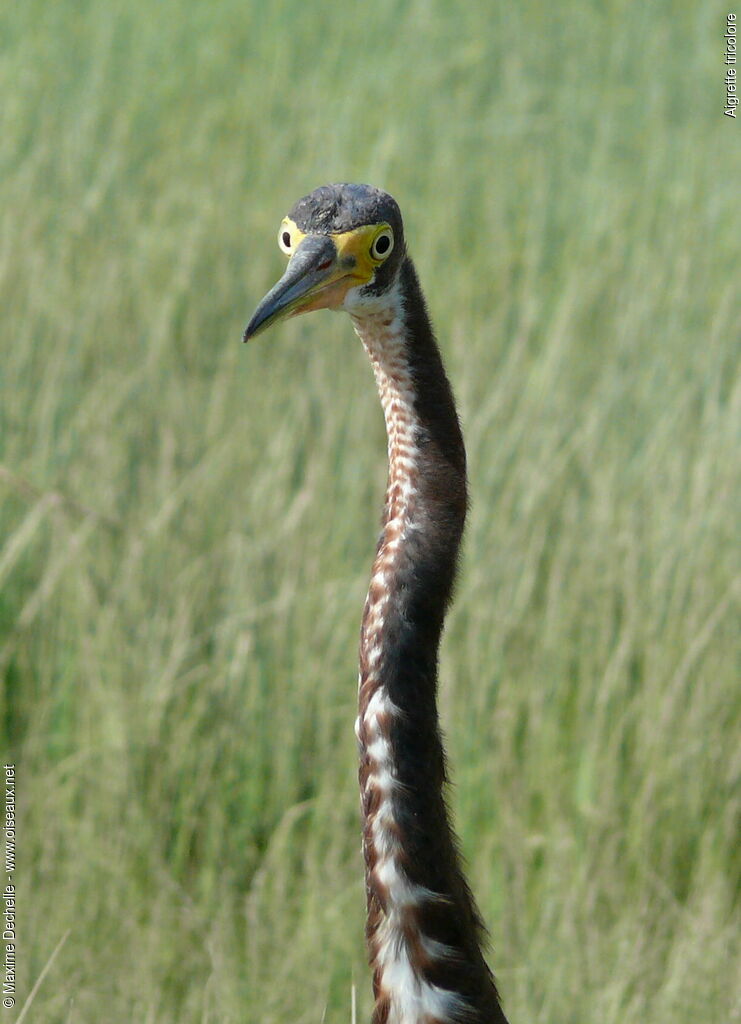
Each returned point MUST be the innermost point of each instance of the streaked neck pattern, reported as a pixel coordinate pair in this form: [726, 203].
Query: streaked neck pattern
[423, 928]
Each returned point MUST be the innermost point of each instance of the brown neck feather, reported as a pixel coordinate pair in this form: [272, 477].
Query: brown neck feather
[424, 932]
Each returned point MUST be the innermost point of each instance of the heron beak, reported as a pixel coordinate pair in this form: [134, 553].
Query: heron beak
[317, 277]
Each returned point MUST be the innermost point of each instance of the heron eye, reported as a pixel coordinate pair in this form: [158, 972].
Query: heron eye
[284, 241]
[382, 245]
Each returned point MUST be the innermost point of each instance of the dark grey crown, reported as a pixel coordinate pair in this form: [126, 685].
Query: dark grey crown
[332, 209]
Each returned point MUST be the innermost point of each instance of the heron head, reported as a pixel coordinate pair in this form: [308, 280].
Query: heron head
[344, 243]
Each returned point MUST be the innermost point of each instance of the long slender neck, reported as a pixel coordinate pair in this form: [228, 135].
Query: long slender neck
[423, 927]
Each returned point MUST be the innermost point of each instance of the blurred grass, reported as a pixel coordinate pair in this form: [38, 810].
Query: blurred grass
[186, 525]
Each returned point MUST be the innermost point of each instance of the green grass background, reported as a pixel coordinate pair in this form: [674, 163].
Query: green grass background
[186, 525]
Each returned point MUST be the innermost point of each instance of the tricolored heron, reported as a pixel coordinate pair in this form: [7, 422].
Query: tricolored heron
[346, 251]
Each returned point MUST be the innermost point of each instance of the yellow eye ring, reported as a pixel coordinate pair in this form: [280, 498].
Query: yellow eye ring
[382, 245]
[285, 241]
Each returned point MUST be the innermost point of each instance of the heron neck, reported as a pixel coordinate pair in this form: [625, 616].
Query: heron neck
[423, 928]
